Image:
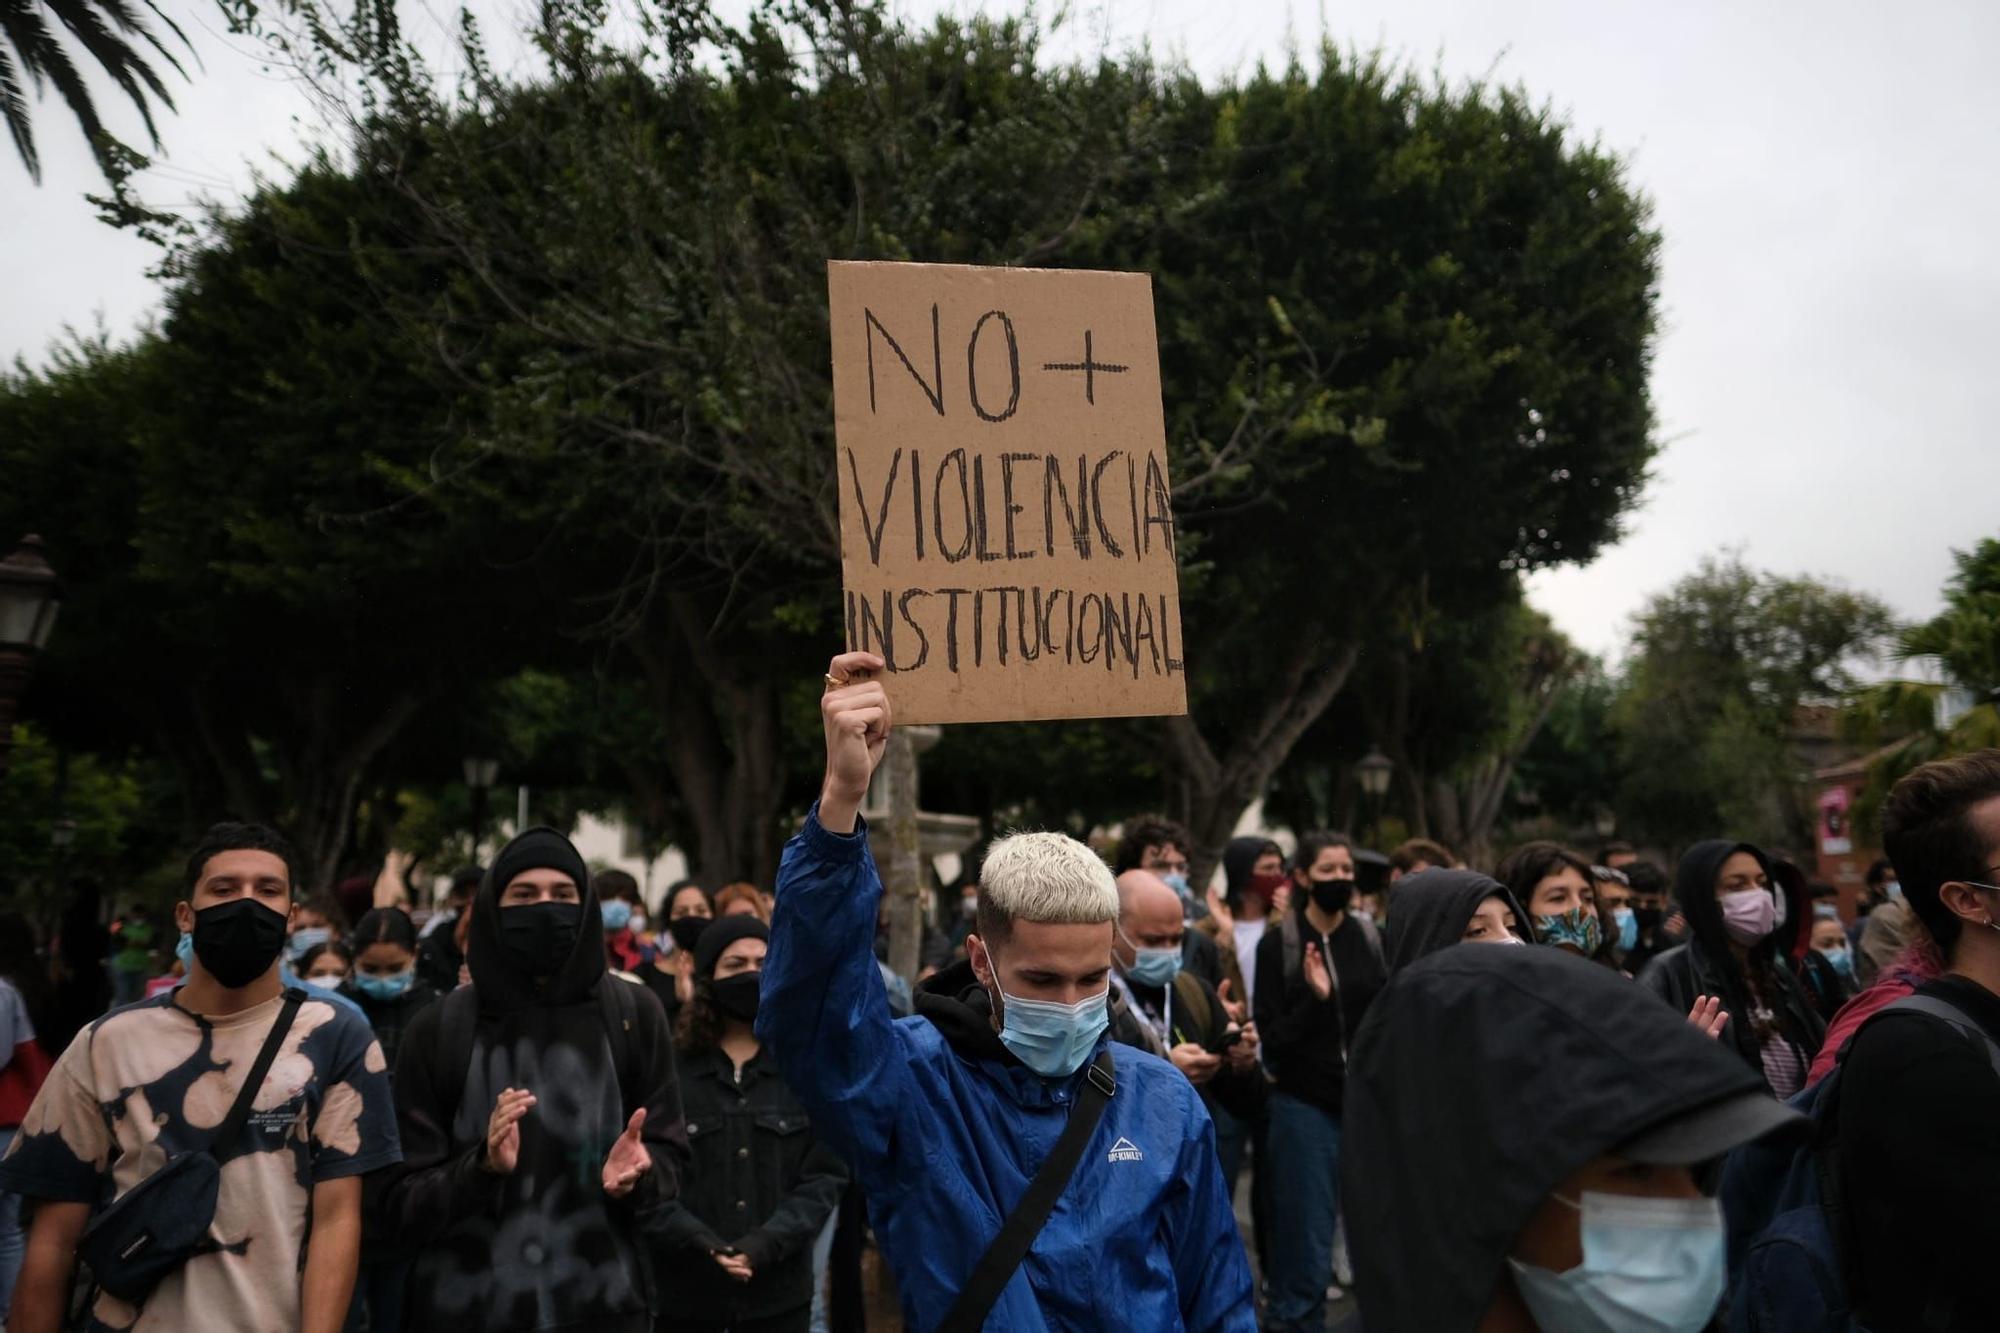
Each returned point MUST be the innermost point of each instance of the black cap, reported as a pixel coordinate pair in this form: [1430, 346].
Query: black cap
[1709, 1131]
[723, 932]
[539, 849]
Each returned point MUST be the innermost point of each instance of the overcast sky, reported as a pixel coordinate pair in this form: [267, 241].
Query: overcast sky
[1824, 175]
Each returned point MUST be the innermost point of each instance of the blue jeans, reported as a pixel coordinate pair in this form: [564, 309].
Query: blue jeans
[1304, 1187]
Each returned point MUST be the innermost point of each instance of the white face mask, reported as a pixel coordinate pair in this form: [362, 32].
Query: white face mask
[1657, 1265]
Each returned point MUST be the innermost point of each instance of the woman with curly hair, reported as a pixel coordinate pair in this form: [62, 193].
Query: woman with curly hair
[738, 1253]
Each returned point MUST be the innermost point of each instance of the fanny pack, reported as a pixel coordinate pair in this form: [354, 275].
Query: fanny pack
[163, 1221]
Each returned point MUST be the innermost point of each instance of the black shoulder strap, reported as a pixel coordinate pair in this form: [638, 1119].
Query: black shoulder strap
[996, 1267]
[621, 1018]
[1945, 1011]
[1295, 949]
[232, 1124]
[458, 1022]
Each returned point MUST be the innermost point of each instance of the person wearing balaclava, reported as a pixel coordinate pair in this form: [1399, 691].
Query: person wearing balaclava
[540, 1117]
[1741, 951]
[1436, 909]
[737, 1251]
[1522, 1130]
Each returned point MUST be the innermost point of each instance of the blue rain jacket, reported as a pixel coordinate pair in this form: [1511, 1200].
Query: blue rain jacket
[944, 1133]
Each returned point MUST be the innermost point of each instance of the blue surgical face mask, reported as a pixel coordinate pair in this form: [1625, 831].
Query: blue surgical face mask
[185, 952]
[1842, 960]
[1154, 967]
[617, 913]
[392, 987]
[306, 939]
[1053, 1039]
[1178, 882]
[1656, 1265]
[328, 984]
[1628, 928]
[1893, 890]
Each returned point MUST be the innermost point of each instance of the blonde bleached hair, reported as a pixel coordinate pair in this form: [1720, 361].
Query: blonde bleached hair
[1049, 877]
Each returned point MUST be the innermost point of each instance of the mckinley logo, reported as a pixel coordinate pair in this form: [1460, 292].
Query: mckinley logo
[1126, 1151]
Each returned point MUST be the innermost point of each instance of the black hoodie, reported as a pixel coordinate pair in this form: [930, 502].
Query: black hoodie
[1430, 910]
[1482, 1078]
[543, 1248]
[1706, 965]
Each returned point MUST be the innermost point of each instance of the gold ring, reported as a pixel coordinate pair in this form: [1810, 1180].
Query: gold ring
[833, 683]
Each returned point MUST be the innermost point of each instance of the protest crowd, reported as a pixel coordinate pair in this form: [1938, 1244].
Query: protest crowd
[1669, 1099]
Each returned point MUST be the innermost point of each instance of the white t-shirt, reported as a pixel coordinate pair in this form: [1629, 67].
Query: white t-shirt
[1248, 933]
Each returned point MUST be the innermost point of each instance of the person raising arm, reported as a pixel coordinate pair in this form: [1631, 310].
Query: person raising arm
[948, 1115]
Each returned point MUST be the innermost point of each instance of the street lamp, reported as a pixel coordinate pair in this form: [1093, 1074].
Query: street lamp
[29, 600]
[1373, 771]
[480, 775]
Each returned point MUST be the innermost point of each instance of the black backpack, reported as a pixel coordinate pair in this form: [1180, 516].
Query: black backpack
[1791, 1255]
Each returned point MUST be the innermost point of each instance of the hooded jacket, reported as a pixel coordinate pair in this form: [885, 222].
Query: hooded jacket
[1706, 965]
[1482, 1078]
[1430, 910]
[543, 1248]
[943, 1128]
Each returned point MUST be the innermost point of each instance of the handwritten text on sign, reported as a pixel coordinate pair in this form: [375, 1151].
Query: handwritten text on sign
[1007, 531]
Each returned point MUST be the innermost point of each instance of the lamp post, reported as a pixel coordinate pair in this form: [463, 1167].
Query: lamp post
[480, 775]
[62, 836]
[1373, 771]
[29, 600]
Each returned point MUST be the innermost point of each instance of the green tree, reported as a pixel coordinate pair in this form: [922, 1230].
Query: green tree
[1916, 721]
[1723, 661]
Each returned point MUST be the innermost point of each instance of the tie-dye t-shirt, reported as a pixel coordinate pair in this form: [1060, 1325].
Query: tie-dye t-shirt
[151, 1081]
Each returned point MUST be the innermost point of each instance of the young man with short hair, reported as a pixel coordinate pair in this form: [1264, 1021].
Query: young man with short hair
[1919, 1123]
[947, 1116]
[152, 1081]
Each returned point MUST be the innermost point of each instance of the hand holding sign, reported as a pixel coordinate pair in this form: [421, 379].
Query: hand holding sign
[855, 709]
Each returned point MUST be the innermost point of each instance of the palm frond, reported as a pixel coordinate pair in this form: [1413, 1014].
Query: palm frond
[14, 104]
[115, 34]
[114, 55]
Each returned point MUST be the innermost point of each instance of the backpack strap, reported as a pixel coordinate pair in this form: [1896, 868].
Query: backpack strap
[1191, 993]
[1945, 1011]
[620, 1007]
[458, 1023]
[996, 1267]
[1295, 949]
[1373, 934]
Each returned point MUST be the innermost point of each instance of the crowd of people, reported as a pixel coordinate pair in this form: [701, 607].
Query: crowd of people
[562, 1103]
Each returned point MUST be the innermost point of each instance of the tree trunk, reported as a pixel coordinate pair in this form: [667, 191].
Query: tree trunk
[725, 756]
[903, 886]
[1219, 788]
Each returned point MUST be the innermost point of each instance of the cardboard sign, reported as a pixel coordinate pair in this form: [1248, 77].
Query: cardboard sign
[1006, 526]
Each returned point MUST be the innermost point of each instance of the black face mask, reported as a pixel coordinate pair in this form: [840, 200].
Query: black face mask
[540, 936]
[237, 941]
[737, 996]
[1332, 895]
[686, 931]
[1649, 917]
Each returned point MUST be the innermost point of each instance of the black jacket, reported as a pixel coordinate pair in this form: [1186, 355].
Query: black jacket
[543, 1248]
[1305, 1038]
[761, 1182]
[1706, 966]
[1430, 910]
[1198, 1018]
[439, 958]
[1483, 1077]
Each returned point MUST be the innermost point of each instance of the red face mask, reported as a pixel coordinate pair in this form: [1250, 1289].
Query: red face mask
[1266, 887]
